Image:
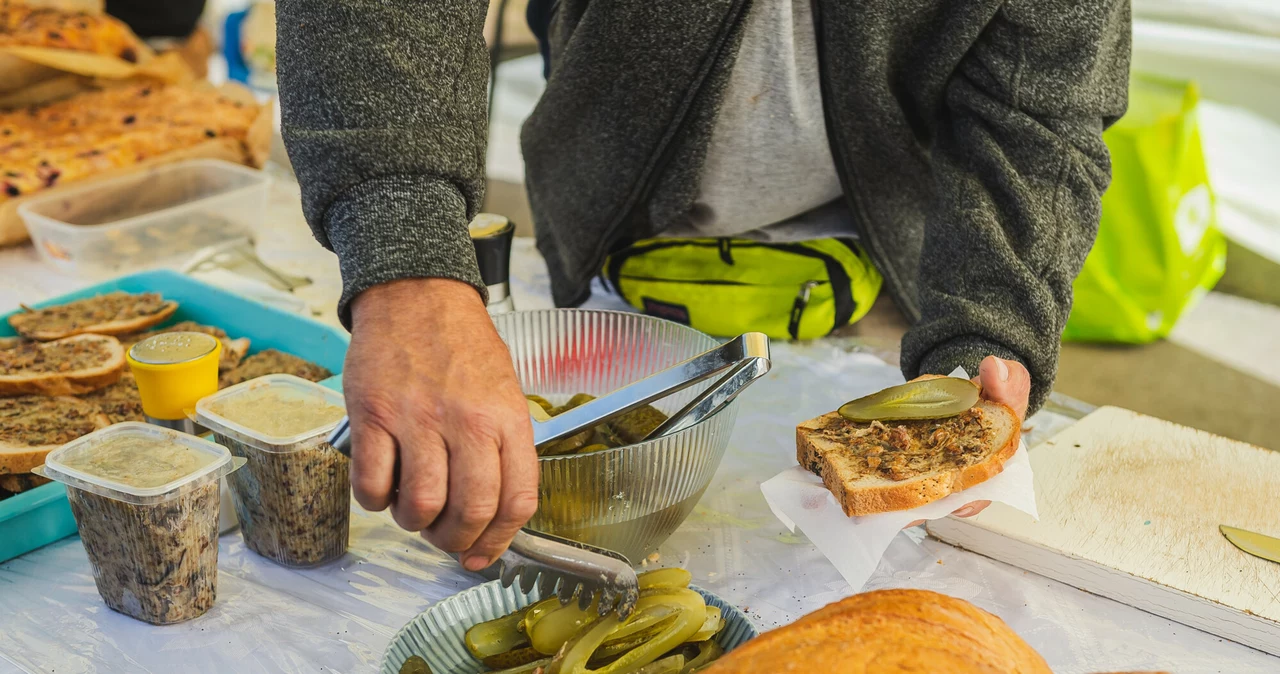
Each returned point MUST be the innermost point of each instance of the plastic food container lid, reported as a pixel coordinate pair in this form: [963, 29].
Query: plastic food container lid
[258, 395]
[138, 463]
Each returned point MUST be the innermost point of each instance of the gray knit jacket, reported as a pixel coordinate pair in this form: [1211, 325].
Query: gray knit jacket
[968, 137]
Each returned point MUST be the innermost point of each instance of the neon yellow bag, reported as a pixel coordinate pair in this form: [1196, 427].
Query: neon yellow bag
[1158, 249]
[725, 287]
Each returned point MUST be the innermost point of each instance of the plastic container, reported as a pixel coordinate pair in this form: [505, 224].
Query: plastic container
[627, 499]
[156, 217]
[145, 501]
[41, 516]
[293, 496]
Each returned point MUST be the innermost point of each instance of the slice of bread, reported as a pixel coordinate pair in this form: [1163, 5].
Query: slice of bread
[115, 313]
[880, 467]
[68, 366]
[33, 426]
[888, 631]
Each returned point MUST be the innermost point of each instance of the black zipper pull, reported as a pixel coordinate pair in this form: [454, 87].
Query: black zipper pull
[797, 309]
[726, 252]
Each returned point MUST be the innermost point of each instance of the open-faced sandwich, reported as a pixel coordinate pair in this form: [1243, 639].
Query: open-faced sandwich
[65, 374]
[908, 445]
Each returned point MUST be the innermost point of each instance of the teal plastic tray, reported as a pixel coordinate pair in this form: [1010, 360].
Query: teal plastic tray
[41, 516]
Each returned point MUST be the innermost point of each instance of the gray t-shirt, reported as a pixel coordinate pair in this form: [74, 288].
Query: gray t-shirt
[769, 173]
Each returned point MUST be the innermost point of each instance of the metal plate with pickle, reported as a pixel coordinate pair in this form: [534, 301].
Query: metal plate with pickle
[436, 641]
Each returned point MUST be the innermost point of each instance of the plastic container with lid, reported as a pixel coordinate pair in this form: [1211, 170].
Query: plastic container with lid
[145, 500]
[293, 496]
[156, 217]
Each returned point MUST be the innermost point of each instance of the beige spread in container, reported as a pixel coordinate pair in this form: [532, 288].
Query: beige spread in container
[293, 496]
[146, 502]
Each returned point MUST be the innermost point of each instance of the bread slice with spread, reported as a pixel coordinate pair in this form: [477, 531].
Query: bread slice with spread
[32, 426]
[68, 366]
[881, 466]
[115, 313]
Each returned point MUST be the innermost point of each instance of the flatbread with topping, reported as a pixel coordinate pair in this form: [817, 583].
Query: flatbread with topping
[115, 313]
[272, 361]
[68, 366]
[33, 426]
[119, 401]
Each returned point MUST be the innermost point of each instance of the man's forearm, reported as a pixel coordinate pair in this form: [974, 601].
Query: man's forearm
[1021, 168]
[384, 117]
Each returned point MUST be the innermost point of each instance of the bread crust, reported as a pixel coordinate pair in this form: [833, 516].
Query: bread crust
[888, 631]
[112, 328]
[858, 500]
[16, 458]
[71, 382]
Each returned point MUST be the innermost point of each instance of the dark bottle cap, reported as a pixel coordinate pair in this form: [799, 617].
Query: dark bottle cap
[491, 234]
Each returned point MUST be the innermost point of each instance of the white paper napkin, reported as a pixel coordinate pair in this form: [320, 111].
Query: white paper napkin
[855, 544]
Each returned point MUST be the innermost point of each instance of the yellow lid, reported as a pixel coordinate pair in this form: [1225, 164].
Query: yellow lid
[173, 371]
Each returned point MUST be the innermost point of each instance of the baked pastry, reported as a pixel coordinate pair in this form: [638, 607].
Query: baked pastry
[116, 313]
[881, 466]
[25, 25]
[68, 366]
[33, 426]
[271, 361]
[888, 632]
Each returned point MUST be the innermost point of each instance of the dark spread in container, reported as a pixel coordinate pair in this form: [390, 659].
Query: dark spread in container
[146, 504]
[901, 450]
[292, 496]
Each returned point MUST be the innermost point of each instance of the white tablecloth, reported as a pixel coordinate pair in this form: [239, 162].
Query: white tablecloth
[339, 618]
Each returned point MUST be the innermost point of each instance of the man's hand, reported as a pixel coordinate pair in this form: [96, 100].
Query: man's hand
[439, 427]
[1002, 381]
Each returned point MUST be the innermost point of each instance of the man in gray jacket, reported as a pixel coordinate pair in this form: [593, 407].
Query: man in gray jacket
[960, 142]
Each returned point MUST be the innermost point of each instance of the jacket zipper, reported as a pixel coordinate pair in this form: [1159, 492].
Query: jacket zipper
[657, 169]
[836, 144]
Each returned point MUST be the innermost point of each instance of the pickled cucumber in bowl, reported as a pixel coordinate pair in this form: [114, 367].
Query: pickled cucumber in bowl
[671, 631]
[624, 429]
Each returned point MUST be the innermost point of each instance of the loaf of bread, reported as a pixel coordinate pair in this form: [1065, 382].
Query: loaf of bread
[889, 632]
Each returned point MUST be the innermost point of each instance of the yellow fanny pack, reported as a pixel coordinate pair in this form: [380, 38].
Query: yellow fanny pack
[725, 287]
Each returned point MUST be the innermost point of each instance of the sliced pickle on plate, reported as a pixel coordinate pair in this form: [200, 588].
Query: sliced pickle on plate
[673, 577]
[673, 664]
[495, 637]
[936, 398]
[708, 652]
[710, 627]
[535, 667]
[415, 665]
[515, 658]
[537, 612]
[553, 630]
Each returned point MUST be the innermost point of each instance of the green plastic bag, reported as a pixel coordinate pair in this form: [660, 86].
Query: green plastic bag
[1158, 249]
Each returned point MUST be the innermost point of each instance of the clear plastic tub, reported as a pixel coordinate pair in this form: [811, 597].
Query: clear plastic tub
[145, 500]
[157, 217]
[293, 496]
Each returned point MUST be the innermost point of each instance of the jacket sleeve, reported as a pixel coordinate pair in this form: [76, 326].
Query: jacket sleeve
[384, 117]
[1020, 168]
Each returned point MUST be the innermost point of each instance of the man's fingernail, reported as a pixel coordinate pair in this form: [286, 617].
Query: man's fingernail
[475, 563]
[1002, 370]
[966, 511]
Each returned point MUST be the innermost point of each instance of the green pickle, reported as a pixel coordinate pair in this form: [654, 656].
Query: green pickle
[415, 665]
[495, 637]
[937, 398]
[670, 631]
[625, 429]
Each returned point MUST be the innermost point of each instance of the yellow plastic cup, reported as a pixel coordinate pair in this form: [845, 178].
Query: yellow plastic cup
[174, 370]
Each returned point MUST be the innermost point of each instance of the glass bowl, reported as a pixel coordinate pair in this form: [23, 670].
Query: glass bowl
[627, 499]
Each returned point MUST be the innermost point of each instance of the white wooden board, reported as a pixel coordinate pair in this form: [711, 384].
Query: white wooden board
[1129, 509]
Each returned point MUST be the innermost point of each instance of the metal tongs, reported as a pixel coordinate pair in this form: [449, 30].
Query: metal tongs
[570, 569]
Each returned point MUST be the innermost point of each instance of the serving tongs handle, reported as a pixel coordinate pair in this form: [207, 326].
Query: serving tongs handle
[747, 354]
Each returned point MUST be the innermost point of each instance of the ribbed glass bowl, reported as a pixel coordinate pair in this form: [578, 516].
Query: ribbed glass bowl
[627, 499]
[437, 634]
